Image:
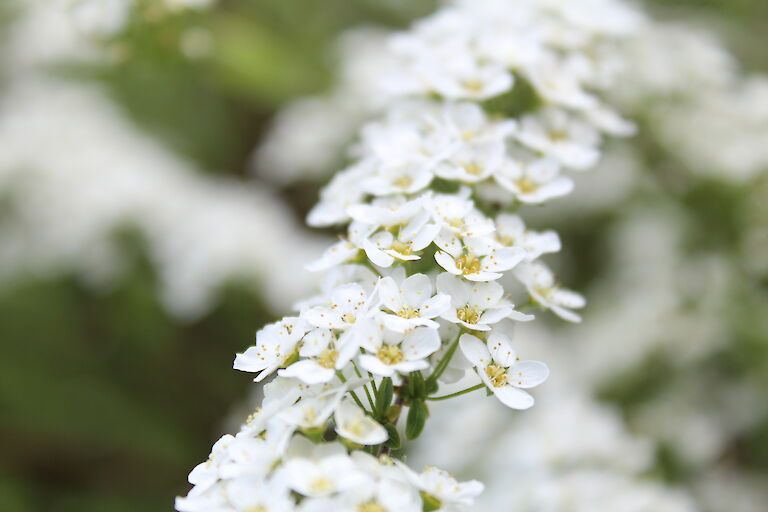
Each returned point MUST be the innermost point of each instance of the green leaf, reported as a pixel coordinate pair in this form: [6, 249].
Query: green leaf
[394, 437]
[384, 398]
[417, 416]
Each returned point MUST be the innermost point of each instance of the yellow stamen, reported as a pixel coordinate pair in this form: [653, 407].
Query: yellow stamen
[497, 375]
[468, 315]
[390, 354]
[327, 358]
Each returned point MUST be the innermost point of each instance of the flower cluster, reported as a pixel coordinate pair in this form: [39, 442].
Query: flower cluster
[264, 468]
[491, 105]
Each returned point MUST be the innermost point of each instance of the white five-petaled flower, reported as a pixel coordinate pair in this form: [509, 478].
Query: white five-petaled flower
[275, 344]
[546, 292]
[351, 310]
[457, 214]
[442, 486]
[500, 369]
[511, 231]
[384, 247]
[553, 132]
[410, 301]
[476, 258]
[352, 423]
[252, 494]
[476, 306]
[397, 353]
[533, 179]
[320, 358]
[322, 477]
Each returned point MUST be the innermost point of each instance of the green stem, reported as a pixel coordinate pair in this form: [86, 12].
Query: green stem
[365, 387]
[443, 364]
[458, 393]
[343, 379]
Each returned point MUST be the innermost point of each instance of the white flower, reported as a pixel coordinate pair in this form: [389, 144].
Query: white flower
[511, 231]
[384, 496]
[395, 353]
[466, 122]
[546, 292]
[345, 250]
[384, 247]
[442, 486]
[457, 214]
[352, 423]
[501, 371]
[387, 211]
[406, 178]
[343, 191]
[322, 477]
[476, 306]
[533, 180]
[410, 301]
[476, 259]
[275, 344]
[472, 164]
[252, 494]
[320, 358]
[571, 141]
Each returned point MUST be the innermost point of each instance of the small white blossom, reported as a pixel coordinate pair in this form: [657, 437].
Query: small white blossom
[397, 353]
[322, 477]
[511, 231]
[546, 292]
[411, 302]
[500, 369]
[571, 141]
[275, 344]
[476, 306]
[442, 486]
[476, 259]
[352, 423]
[457, 214]
[533, 180]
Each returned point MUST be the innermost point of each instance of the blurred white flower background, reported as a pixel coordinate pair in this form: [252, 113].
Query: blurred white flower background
[158, 160]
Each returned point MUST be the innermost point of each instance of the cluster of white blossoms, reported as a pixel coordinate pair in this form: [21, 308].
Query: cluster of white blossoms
[490, 106]
[267, 468]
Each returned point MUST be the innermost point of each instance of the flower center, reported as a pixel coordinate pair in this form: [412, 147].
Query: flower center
[327, 358]
[408, 312]
[468, 264]
[349, 318]
[403, 181]
[456, 222]
[256, 508]
[558, 135]
[473, 169]
[473, 85]
[497, 375]
[370, 506]
[468, 315]
[526, 185]
[401, 247]
[390, 354]
[322, 485]
[506, 240]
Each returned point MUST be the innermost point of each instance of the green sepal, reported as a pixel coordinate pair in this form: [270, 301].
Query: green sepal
[394, 437]
[417, 417]
[384, 398]
[393, 413]
[429, 503]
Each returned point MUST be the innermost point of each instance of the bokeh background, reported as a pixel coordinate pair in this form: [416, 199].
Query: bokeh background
[144, 237]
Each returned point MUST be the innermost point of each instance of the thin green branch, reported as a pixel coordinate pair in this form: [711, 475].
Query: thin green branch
[458, 393]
